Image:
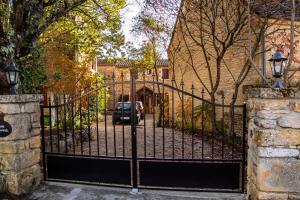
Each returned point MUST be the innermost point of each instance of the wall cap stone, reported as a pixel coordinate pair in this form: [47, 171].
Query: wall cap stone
[23, 98]
[268, 93]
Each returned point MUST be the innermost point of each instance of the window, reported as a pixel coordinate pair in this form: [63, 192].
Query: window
[165, 74]
[149, 72]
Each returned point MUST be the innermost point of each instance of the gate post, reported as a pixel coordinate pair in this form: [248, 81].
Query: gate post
[20, 151]
[133, 134]
[274, 145]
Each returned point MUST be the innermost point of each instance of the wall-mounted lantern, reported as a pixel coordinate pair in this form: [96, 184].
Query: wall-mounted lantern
[12, 75]
[278, 64]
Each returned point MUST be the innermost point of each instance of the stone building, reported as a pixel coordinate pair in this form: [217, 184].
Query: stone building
[145, 92]
[182, 58]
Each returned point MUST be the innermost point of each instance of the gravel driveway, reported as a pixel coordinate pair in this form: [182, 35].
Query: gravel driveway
[116, 141]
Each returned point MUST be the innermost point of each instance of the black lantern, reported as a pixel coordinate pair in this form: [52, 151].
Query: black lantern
[12, 76]
[278, 63]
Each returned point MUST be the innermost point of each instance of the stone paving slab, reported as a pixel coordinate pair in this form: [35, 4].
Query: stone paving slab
[62, 191]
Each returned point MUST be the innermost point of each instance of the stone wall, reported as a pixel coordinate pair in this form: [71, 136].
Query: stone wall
[20, 152]
[274, 145]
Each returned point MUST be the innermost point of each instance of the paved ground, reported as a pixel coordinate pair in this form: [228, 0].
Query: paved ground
[51, 191]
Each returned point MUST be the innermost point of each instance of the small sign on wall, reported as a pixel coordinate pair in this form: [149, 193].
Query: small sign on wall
[5, 127]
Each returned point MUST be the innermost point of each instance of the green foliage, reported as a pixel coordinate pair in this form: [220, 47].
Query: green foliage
[88, 27]
[32, 72]
[101, 94]
[91, 31]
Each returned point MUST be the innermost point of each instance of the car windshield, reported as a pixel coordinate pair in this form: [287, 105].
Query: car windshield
[125, 106]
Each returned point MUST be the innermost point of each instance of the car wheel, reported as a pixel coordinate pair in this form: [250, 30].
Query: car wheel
[114, 122]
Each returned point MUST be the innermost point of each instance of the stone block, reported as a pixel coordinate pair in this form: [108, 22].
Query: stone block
[270, 104]
[17, 162]
[10, 108]
[291, 120]
[272, 114]
[295, 106]
[265, 123]
[35, 142]
[35, 117]
[294, 196]
[12, 147]
[278, 175]
[269, 152]
[32, 108]
[35, 125]
[272, 196]
[24, 181]
[277, 137]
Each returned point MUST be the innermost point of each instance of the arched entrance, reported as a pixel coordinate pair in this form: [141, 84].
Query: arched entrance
[146, 95]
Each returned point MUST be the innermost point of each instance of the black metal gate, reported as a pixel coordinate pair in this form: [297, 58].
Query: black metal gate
[178, 145]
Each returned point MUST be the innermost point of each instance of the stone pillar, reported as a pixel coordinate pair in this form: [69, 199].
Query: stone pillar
[274, 145]
[20, 152]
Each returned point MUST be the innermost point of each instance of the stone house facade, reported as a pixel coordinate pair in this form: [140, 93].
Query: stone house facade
[145, 92]
[180, 61]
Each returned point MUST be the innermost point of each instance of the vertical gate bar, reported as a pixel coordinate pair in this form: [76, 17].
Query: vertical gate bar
[233, 132]
[244, 144]
[123, 129]
[173, 118]
[50, 124]
[202, 124]
[133, 133]
[182, 118]
[97, 117]
[212, 142]
[154, 104]
[145, 132]
[65, 125]
[105, 118]
[73, 124]
[193, 121]
[80, 119]
[89, 121]
[43, 141]
[57, 126]
[114, 103]
[223, 123]
[163, 116]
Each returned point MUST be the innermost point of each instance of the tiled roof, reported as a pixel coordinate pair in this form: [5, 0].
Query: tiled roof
[103, 62]
[275, 8]
[127, 63]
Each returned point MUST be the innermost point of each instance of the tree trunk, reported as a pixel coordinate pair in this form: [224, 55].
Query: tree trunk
[213, 113]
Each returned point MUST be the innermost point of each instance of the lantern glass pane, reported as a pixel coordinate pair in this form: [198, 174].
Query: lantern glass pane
[8, 77]
[277, 69]
[12, 76]
[17, 77]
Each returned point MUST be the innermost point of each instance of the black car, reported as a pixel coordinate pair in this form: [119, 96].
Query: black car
[122, 113]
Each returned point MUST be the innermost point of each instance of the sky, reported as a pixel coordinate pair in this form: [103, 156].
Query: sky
[128, 13]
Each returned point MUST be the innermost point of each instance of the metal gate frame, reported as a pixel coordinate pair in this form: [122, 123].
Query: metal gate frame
[225, 175]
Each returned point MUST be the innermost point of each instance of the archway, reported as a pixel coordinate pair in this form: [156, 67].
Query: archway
[146, 95]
